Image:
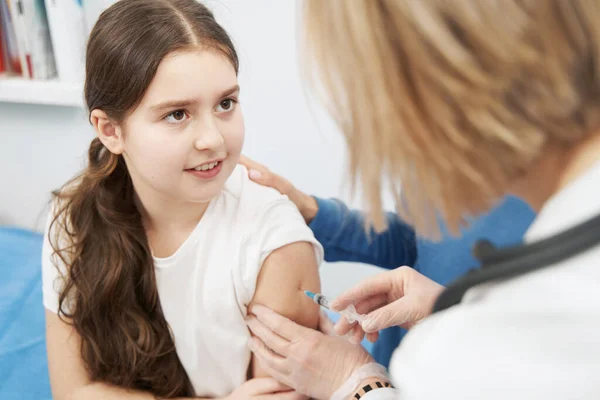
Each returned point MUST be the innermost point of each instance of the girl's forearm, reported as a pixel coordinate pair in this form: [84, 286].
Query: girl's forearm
[103, 391]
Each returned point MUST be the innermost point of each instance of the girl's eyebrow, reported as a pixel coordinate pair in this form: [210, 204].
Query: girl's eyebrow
[183, 103]
[230, 91]
[173, 104]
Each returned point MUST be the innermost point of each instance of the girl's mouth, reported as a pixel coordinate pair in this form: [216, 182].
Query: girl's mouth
[206, 171]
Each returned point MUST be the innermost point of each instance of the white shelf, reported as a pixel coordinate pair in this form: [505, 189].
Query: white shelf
[51, 92]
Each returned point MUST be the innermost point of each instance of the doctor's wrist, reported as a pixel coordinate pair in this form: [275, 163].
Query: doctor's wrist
[368, 385]
[367, 374]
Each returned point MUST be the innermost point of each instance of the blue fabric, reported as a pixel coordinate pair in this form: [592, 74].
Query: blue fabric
[23, 366]
[341, 232]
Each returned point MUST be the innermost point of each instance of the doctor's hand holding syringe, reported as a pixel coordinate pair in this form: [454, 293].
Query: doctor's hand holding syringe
[401, 297]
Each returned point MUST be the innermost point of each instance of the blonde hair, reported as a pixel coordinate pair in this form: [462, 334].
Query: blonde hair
[453, 100]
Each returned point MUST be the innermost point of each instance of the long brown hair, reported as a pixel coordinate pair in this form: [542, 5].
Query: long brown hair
[449, 102]
[109, 290]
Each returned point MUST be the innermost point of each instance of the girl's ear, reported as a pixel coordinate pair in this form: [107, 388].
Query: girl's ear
[109, 132]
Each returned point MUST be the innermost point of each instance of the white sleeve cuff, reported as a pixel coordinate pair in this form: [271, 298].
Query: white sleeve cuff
[278, 225]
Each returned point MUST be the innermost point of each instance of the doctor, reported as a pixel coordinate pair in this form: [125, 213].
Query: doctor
[464, 102]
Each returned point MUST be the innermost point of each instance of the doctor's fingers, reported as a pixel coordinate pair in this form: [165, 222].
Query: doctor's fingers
[403, 312]
[267, 336]
[263, 176]
[325, 324]
[274, 364]
[373, 336]
[279, 324]
[251, 164]
[357, 334]
[385, 283]
[343, 327]
[413, 302]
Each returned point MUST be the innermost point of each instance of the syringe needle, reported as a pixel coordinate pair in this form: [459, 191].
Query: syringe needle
[349, 313]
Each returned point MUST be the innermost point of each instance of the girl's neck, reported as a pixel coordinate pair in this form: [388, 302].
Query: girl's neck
[168, 222]
[172, 215]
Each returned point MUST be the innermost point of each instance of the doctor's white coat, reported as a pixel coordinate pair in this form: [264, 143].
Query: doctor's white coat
[536, 336]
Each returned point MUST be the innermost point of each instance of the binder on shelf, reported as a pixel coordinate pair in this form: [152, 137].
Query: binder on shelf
[67, 31]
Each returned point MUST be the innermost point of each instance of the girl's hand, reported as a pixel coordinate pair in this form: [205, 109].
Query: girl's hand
[264, 389]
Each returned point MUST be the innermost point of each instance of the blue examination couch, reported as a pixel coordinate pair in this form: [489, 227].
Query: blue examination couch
[23, 368]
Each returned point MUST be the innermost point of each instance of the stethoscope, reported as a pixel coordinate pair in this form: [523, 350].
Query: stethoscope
[514, 261]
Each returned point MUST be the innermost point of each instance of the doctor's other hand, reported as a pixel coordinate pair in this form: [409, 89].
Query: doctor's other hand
[401, 297]
[304, 359]
[307, 205]
[264, 388]
[355, 336]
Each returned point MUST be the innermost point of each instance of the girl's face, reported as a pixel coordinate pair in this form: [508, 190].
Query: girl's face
[185, 138]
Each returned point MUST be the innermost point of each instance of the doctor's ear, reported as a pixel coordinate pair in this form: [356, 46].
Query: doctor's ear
[108, 131]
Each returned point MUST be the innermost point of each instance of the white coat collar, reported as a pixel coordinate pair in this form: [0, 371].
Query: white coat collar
[574, 204]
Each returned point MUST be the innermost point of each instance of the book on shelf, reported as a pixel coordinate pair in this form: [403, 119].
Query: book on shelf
[45, 39]
[3, 56]
[9, 41]
[33, 38]
[18, 21]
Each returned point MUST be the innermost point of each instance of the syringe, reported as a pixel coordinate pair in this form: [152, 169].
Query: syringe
[349, 313]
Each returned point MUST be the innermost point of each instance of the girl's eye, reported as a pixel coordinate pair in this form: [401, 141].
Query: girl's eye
[176, 117]
[226, 105]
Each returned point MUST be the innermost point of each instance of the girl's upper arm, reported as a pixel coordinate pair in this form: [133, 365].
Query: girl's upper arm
[284, 276]
[65, 365]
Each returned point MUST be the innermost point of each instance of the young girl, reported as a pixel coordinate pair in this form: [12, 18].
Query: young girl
[154, 253]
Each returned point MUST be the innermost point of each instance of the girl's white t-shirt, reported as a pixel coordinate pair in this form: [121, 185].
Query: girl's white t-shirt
[206, 286]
